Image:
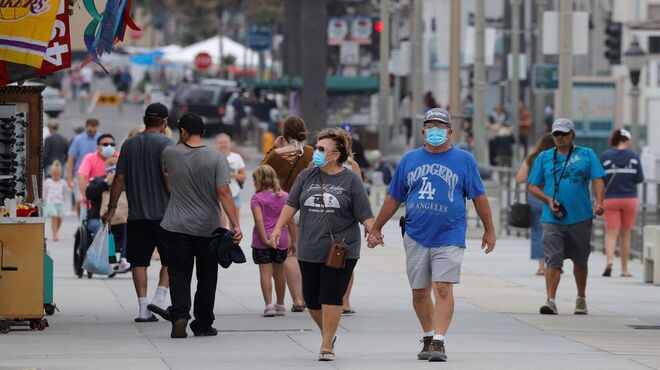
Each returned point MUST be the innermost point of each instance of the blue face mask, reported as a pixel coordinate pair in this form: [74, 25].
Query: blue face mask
[107, 151]
[318, 159]
[436, 136]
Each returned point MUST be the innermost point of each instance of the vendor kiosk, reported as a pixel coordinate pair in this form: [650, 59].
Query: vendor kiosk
[22, 243]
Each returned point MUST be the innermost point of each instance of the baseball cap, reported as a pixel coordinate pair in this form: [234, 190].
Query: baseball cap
[563, 125]
[438, 114]
[191, 122]
[625, 133]
[156, 110]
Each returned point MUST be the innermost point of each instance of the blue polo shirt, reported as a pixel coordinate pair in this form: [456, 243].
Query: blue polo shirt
[434, 187]
[573, 193]
[82, 145]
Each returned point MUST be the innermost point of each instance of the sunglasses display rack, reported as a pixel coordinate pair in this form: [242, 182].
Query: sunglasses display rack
[13, 163]
[24, 279]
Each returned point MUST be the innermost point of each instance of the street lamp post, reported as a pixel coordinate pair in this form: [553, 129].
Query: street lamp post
[634, 59]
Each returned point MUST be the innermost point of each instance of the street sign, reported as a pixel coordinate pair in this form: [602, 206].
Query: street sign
[108, 99]
[203, 61]
[545, 77]
[580, 33]
[349, 53]
[337, 30]
[361, 29]
[260, 38]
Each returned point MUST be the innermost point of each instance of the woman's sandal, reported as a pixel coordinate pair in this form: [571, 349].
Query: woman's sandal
[608, 271]
[298, 308]
[540, 272]
[326, 355]
[627, 275]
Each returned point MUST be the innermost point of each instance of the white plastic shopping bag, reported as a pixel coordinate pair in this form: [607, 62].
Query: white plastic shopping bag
[96, 258]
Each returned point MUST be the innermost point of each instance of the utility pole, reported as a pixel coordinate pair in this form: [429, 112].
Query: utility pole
[384, 80]
[417, 70]
[514, 95]
[565, 59]
[455, 65]
[478, 96]
[539, 98]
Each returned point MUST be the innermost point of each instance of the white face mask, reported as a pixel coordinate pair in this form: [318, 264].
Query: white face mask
[108, 151]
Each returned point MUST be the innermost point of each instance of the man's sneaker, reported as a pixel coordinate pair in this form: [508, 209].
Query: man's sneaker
[426, 342]
[437, 351]
[549, 308]
[269, 311]
[581, 306]
[208, 332]
[179, 328]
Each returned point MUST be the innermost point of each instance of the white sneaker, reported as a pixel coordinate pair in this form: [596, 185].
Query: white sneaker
[124, 266]
[269, 311]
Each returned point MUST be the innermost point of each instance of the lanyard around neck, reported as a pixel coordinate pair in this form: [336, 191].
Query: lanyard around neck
[563, 170]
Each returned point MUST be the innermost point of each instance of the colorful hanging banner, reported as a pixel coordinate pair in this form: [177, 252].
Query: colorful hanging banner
[106, 29]
[58, 54]
[25, 30]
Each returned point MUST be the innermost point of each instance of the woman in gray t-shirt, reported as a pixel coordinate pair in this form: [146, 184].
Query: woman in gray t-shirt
[344, 201]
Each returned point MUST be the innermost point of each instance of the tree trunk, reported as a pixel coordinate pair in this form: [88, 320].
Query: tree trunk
[291, 45]
[313, 50]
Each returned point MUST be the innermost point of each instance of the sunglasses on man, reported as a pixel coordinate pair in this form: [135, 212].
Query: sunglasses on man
[107, 144]
[560, 134]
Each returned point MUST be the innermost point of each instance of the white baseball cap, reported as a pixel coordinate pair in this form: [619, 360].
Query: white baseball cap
[563, 125]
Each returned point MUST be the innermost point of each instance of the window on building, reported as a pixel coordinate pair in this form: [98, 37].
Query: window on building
[654, 45]
[654, 11]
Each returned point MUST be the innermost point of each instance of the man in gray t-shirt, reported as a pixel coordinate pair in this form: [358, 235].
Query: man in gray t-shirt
[199, 181]
[139, 171]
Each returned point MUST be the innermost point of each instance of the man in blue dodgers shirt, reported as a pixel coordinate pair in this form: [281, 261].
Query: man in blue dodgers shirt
[560, 179]
[433, 182]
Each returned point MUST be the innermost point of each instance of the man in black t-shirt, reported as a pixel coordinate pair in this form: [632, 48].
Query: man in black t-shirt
[139, 170]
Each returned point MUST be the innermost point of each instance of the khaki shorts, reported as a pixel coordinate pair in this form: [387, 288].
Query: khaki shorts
[427, 265]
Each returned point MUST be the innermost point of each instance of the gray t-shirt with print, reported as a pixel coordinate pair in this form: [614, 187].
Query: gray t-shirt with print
[346, 204]
[195, 174]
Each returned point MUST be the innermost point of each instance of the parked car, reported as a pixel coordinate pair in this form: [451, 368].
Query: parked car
[208, 99]
[54, 102]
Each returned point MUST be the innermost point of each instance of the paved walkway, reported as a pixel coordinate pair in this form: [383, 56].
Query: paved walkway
[496, 324]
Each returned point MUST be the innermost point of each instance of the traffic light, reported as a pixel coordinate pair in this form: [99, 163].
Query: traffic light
[613, 42]
[375, 38]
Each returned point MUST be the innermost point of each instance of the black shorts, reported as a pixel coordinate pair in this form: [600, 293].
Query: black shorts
[143, 237]
[270, 255]
[322, 285]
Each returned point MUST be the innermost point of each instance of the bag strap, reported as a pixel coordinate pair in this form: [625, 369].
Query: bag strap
[325, 213]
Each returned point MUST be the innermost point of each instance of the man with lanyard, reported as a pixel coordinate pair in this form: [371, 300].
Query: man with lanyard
[560, 178]
[434, 181]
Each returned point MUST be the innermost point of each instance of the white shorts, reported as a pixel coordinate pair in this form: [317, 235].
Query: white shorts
[426, 265]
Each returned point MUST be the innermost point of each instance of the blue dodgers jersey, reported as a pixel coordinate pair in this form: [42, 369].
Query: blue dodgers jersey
[434, 188]
[573, 193]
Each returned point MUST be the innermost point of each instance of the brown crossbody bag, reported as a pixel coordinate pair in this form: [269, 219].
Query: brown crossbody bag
[336, 258]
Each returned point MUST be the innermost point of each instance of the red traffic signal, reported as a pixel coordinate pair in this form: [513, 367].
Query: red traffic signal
[378, 26]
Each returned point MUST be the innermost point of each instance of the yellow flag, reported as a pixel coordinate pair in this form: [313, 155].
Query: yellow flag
[25, 30]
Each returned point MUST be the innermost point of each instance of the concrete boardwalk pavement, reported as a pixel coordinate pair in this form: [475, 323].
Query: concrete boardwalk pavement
[496, 324]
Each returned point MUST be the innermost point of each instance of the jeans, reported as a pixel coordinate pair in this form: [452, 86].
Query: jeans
[183, 252]
[535, 211]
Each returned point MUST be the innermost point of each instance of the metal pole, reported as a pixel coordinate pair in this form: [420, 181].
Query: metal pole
[455, 66]
[479, 116]
[565, 58]
[384, 79]
[634, 116]
[539, 98]
[514, 96]
[417, 70]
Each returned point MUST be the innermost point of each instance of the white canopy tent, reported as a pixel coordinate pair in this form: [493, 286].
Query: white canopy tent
[243, 55]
